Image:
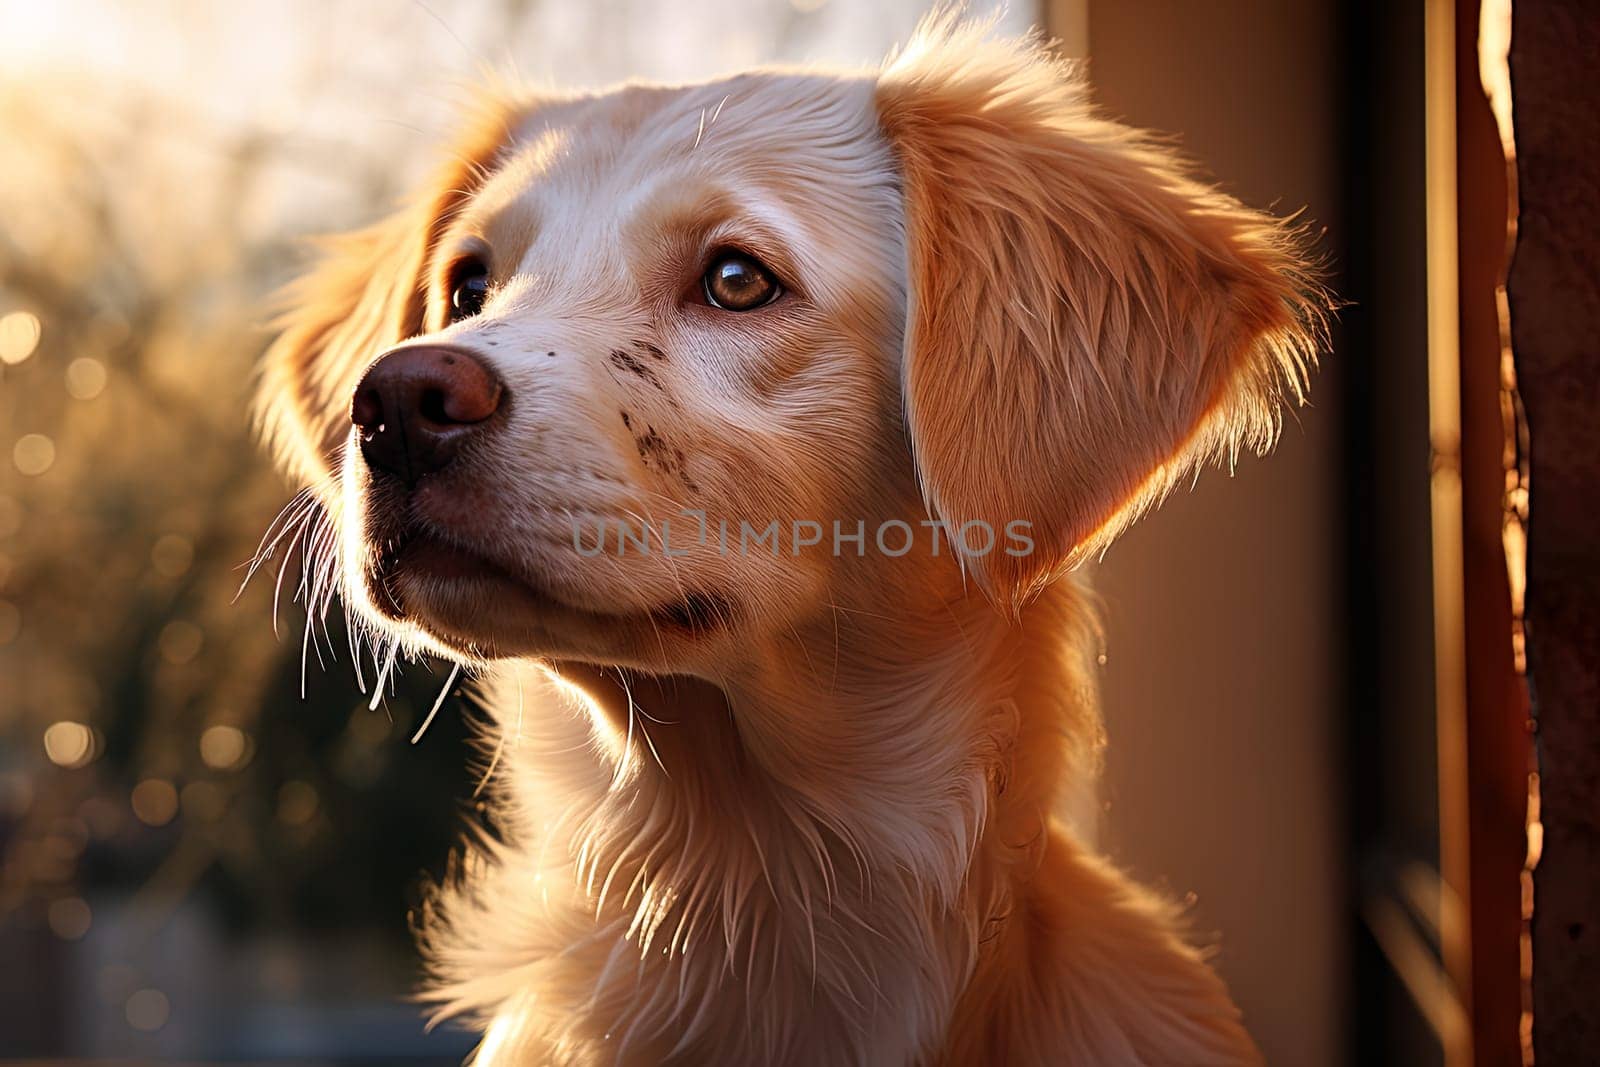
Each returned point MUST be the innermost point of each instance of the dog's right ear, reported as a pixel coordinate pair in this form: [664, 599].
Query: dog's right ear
[1086, 323]
[364, 296]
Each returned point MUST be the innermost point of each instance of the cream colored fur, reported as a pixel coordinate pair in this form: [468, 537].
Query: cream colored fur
[817, 829]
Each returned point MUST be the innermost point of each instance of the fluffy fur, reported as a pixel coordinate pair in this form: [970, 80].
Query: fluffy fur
[796, 807]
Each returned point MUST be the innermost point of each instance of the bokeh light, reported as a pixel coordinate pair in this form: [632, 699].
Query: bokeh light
[147, 1010]
[180, 641]
[172, 555]
[69, 744]
[34, 453]
[19, 336]
[155, 801]
[86, 378]
[224, 747]
[70, 918]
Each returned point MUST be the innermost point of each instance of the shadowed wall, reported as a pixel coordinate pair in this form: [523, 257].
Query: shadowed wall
[1221, 686]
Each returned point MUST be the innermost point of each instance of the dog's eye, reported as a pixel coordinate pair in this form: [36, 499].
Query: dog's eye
[469, 287]
[738, 282]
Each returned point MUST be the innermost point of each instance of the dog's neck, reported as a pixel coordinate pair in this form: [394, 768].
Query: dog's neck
[871, 778]
[898, 733]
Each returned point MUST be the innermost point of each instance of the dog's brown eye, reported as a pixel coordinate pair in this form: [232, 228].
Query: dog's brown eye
[737, 282]
[469, 287]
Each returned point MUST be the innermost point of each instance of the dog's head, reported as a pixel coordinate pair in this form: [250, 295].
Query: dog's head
[732, 315]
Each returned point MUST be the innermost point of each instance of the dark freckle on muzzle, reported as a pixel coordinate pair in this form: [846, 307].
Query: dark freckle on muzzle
[624, 360]
[658, 456]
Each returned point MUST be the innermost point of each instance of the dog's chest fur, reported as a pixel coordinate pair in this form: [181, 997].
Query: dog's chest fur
[709, 890]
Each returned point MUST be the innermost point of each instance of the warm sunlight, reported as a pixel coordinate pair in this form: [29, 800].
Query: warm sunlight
[798, 532]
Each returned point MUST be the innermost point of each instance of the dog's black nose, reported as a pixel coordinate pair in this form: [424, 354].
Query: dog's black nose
[415, 407]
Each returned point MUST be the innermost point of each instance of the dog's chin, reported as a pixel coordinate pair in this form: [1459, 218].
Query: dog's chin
[473, 607]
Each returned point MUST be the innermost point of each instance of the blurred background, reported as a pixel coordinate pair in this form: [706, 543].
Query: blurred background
[209, 844]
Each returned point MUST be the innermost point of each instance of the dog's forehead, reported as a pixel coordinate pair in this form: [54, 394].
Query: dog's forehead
[760, 118]
[806, 138]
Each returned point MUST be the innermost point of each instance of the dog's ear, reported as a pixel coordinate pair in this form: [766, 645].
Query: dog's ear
[1086, 324]
[365, 295]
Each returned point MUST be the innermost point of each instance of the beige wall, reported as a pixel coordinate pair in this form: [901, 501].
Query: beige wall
[1221, 686]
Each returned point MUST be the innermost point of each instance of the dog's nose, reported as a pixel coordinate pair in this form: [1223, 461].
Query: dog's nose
[416, 406]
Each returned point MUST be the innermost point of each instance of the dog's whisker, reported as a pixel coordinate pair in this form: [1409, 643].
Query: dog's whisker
[455, 670]
[379, 686]
[353, 643]
[286, 518]
[313, 602]
[305, 641]
[288, 526]
[299, 544]
[310, 564]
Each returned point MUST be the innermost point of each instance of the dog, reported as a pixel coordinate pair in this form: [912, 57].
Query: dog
[744, 439]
